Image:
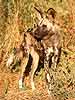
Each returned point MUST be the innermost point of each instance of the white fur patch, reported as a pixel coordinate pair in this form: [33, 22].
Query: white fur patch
[56, 50]
[20, 83]
[32, 85]
[50, 49]
[10, 60]
[48, 77]
[53, 59]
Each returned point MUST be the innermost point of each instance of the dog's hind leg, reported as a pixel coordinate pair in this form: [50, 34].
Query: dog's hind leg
[34, 66]
[23, 67]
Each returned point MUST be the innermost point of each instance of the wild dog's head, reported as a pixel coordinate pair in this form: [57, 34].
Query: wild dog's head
[45, 23]
[40, 32]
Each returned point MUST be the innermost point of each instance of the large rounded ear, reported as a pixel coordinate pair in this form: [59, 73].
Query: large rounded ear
[39, 13]
[52, 12]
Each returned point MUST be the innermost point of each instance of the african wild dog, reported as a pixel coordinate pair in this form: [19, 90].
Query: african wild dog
[49, 34]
